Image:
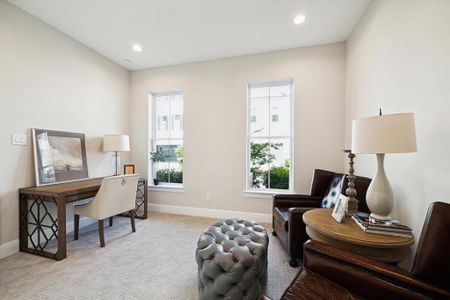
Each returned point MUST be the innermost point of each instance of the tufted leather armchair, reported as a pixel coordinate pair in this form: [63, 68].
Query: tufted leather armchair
[287, 213]
[332, 273]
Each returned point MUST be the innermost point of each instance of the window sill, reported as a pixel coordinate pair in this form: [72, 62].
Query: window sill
[166, 188]
[265, 194]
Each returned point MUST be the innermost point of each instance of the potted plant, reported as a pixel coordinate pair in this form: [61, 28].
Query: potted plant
[157, 157]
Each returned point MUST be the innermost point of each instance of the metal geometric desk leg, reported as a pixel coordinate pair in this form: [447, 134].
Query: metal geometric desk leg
[37, 225]
[140, 210]
[23, 222]
[145, 200]
[62, 246]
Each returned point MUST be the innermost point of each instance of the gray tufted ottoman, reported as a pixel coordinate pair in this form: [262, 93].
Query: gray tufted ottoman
[232, 260]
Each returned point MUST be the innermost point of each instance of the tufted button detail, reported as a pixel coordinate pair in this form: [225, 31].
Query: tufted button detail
[232, 260]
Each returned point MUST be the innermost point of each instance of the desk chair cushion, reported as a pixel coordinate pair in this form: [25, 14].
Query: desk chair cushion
[116, 195]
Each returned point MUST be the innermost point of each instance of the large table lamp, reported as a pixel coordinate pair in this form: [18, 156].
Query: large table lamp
[378, 135]
[116, 143]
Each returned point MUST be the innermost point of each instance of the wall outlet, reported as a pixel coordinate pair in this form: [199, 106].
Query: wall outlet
[19, 139]
[208, 197]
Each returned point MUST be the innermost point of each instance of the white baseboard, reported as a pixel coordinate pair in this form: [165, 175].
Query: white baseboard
[9, 248]
[209, 212]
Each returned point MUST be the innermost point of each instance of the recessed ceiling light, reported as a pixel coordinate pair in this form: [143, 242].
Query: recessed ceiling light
[299, 19]
[127, 61]
[137, 47]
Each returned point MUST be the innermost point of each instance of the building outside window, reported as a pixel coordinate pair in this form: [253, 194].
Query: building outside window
[269, 138]
[166, 150]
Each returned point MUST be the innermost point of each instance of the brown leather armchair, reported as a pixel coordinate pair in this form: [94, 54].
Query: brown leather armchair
[288, 209]
[332, 273]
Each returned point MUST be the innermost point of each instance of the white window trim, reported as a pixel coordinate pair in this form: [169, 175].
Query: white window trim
[166, 186]
[262, 192]
[265, 193]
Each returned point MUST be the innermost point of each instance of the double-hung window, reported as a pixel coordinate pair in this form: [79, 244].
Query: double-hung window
[269, 136]
[166, 153]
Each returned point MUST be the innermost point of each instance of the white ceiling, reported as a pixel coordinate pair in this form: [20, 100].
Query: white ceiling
[180, 31]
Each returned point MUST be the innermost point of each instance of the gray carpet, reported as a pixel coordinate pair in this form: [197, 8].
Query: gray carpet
[156, 262]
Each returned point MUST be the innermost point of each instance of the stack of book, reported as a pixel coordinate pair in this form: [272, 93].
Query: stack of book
[371, 225]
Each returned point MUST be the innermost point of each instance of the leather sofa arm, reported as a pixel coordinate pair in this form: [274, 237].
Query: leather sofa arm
[366, 277]
[282, 200]
[297, 232]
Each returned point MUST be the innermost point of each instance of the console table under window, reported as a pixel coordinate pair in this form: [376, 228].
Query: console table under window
[42, 214]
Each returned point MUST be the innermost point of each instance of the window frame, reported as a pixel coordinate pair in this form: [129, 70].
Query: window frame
[249, 190]
[153, 139]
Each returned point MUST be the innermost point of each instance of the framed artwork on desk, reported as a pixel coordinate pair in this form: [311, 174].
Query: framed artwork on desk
[128, 169]
[340, 208]
[59, 156]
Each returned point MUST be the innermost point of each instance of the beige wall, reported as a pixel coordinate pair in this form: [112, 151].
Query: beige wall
[398, 59]
[48, 80]
[215, 121]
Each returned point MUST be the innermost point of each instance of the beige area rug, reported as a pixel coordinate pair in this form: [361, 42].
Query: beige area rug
[156, 262]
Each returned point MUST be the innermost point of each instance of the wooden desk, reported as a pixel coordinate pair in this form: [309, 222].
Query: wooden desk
[42, 213]
[320, 226]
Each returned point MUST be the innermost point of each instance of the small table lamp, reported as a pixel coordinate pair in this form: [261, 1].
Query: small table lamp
[116, 143]
[379, 135]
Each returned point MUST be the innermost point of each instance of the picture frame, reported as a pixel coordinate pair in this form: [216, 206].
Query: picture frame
[129, 169]
[340, 208]
[59, 156]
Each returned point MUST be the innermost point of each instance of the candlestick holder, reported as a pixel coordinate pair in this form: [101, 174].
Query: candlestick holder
[351, 191]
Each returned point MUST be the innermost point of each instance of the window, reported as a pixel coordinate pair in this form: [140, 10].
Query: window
[177, 122]
[269, 138]
[166, 155]
[162, 122]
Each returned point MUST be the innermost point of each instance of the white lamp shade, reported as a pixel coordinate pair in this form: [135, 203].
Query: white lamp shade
[116, 142]
[384, 134]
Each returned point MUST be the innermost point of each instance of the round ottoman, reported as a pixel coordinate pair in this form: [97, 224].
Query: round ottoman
[232, 260]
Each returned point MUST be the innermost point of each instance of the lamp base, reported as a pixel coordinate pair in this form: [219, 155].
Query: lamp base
[380, 218]
[117, 157]
[380, 197]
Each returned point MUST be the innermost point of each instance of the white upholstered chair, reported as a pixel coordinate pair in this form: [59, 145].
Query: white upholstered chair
[116, 195]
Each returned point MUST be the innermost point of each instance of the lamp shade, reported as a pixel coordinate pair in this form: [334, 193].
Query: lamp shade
[384, 134]
[116, 142]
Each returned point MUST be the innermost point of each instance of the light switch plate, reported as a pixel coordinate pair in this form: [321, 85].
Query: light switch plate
[19, 139]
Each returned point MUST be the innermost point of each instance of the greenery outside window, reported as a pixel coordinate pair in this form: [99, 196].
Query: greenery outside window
[166, 144]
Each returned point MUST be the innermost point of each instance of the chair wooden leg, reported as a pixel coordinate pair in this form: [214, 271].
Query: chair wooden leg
[133, 225]
[101, 233]
[110, 221]
[76, 226]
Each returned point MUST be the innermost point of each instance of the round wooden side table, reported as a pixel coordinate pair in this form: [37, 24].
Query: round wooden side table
[321, 226]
